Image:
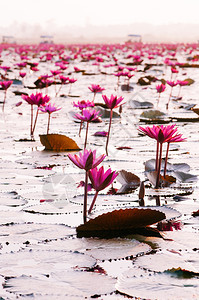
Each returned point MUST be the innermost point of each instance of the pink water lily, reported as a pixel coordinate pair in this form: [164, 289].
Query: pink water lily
[5, 85]
[35, 99]
[162, 134]
[81, 105]
[95, 88]
[160, 89]
[172, 84]
[88, 115]
[49, 108]
[100, 180]
[111, 103]
[86, 160]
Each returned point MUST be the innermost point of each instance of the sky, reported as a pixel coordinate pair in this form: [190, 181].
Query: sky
[82, 13]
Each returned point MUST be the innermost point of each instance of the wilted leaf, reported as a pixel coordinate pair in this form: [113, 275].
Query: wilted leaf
[127, 87]
[195, 213]
[128, 180]
[138, 104]
[105, 113]
[146, 80]
[58, 142]
[185, 177]
[119, 221]
[181, 273]
[125, 177]
[153, 114]
[168, 180]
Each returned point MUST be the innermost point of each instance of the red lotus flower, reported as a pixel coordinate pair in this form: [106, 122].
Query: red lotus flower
[113, 101]
[86, 160]
[100, 181]
[160, 88]
[172, 83]
[83, 104]
[162, 134]
[49, 108]
[6, 84]
[96, 88]
[88, 115]
[35, 99]
[22, 74]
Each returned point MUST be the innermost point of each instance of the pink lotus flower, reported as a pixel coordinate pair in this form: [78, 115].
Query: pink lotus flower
[5, 68]
[63, 79]
[22, 74]
[35, 99]
[49, 108]
[162, 134]
[100, 181]
[87, 161]
[83, 104]
[55, 72]
[88, 115]
[96, 88]
[160, 88]
[172, 83]
[111, 103]
[5, 85]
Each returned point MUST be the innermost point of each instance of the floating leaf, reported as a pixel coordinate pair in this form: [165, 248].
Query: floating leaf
[147, 284]
[127, 87]
[58, 142]
[185, 177]
[195, 213]
[153, 114]
[140, 105]
[105, 113]
[146, 80]
[119, 221]
[128, 180]
[181, 273]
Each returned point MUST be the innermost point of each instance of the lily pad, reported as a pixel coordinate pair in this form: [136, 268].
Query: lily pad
[119, 221]
[58, 142]
[140, 105]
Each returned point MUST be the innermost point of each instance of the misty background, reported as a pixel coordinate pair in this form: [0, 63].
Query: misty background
[87, 21]
[26, 33]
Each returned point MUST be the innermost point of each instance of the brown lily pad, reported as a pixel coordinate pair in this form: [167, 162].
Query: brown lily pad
[58, 142]
[117, 221]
